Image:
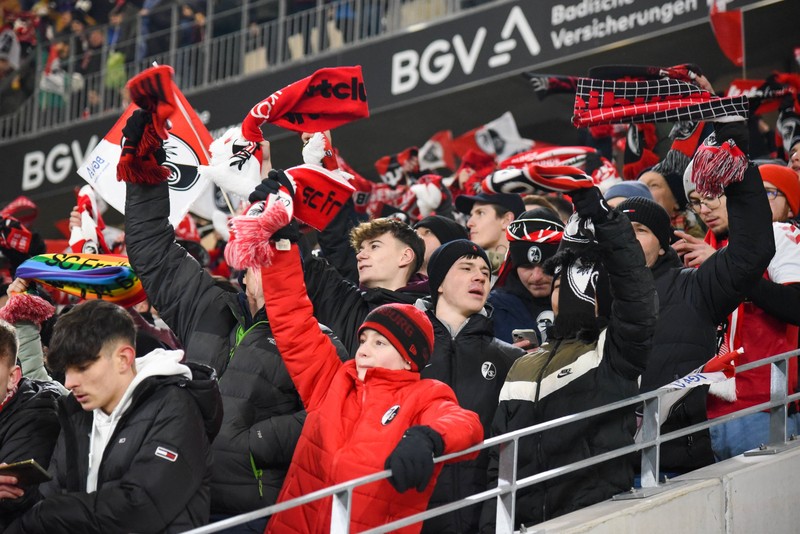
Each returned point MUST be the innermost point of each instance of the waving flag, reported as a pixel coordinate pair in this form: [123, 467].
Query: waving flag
[186, 146]
[728, 30]
[88, 276]
[499, 138]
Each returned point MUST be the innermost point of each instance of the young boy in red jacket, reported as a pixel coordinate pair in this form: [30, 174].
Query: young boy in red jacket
[365, 415]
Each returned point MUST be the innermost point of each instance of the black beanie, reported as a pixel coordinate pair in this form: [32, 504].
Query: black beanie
[445, 256]
[534, 237]
[407, 328]
[650, 214]
[444, 229]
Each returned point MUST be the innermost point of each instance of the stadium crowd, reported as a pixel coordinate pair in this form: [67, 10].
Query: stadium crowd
[437, 307]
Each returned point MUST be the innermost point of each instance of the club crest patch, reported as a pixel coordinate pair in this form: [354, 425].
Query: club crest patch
[488, 370]
[390, 414]
[534, 254]
[166, 454]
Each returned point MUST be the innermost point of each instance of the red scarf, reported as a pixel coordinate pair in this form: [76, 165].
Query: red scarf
[326, 99]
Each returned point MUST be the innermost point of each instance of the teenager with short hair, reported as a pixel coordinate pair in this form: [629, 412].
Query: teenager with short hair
[389, 255]
[469, 359]
[134, 451]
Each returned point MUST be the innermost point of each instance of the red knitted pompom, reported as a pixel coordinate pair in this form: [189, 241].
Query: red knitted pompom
[714, 167]
[249, 245]
[26, 307]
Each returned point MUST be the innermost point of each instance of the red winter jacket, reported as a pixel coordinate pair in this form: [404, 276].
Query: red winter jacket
[352, 426]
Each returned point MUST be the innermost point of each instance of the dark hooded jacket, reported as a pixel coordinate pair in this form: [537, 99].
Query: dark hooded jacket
[263, 414]
[568, 375]
[156, 469]
[692, 302]
[28, 430]
[474, 364]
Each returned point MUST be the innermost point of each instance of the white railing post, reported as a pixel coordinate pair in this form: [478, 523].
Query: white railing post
[507, 476]
[340, 511]
[778, 390]
[651, 430]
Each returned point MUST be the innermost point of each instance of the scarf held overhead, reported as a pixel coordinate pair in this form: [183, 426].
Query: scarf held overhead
[666, 100]
[88, 276]
[328, 98]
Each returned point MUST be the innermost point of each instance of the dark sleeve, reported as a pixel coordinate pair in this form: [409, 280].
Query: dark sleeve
[635, 307]
[720, 283]
[778, 300]
[32, 435]
[338, 303]
[334, 242]
[152, 492]
[176, 285]
[273, 440]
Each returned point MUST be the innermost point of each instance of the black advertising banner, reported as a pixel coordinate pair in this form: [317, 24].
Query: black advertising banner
[494, 40]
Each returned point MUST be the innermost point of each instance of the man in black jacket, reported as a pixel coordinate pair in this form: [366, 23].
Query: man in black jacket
[28, 425]
[467, 358]
[692, 302]
[229, 332]
[584, 364]
[134, 452]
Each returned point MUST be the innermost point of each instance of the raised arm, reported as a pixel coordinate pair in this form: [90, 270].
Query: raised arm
[726, 277]
[309, 355]
[635, 307]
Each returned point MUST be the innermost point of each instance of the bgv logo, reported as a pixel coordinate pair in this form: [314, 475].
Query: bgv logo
[436, 62]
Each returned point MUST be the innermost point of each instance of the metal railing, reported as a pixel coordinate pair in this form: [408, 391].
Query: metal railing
[205, 50]
[509, 484]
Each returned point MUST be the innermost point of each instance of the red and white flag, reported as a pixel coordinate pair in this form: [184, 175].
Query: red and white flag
[727, 28]
[437, 152]
[186, 148]
[499, 138]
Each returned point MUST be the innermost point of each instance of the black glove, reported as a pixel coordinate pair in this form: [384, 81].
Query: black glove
[270, 185]
[738, 131]
[411, 461]
[135, 125]
[133, 133]
[290, 232]
[590, 204]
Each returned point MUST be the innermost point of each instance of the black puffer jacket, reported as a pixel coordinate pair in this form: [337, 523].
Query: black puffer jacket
[141, 486]
[692, 302]
[342, 306]
[567, 376]
[474, 364]
[28, 430]
[263, 415]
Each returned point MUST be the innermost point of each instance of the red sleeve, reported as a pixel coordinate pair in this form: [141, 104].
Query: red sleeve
[309, 355]
[460, 428]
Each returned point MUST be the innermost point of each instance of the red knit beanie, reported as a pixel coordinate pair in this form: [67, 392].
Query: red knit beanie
[785, 180]
[407, 328]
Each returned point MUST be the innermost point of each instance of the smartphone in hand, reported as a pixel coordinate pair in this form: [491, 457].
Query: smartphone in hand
[527, 334]
[27, 472]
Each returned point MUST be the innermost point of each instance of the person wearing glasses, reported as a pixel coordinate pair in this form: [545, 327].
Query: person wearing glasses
[692, 302]
[766, 322]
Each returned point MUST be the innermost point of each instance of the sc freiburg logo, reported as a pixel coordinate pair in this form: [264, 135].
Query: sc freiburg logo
[488, 370]
[390, 414]
[182, 163]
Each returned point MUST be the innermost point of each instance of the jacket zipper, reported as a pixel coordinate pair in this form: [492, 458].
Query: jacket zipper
[241, 333]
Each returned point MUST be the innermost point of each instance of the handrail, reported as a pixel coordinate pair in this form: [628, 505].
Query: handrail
[509, 442]
[216, 59]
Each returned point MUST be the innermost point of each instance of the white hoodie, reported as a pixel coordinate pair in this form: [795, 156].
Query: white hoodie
[159, 362]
